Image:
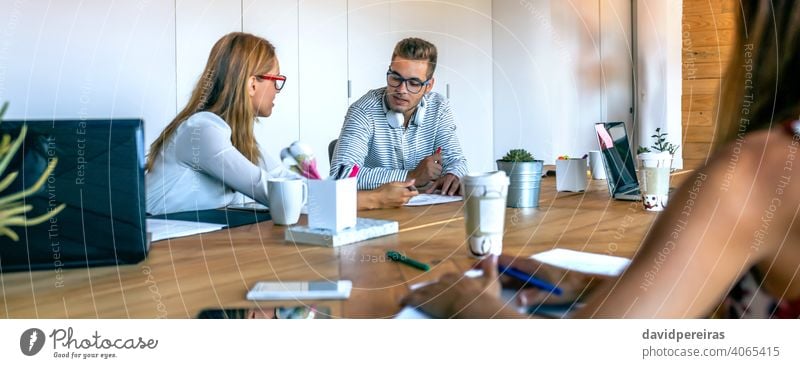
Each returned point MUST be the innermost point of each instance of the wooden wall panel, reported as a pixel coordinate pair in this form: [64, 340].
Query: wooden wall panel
[708, 32]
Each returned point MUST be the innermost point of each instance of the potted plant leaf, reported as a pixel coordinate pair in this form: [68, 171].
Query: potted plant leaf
[12, 208]
[655, 163]
[525, 176]
[661, 148]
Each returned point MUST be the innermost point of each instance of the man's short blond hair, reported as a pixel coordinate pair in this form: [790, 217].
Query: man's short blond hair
[413, 48]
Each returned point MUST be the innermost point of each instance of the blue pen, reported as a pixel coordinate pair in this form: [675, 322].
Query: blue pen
[530, 279]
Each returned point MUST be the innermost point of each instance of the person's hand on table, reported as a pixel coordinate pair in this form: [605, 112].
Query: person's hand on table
[390, 195]
[574, 285]
[428, 170]
[396, 194]
[449, 184]
[458, 296]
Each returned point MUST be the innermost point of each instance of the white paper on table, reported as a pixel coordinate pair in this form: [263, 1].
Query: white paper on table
[425, 199]
[166, 229]
[597, 264]
[413, 313]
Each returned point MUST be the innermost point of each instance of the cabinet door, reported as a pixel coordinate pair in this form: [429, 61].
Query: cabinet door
[370, 42]
[198, 25]
[466, 77]
[322, 74]
[277, 21]
[616, 53]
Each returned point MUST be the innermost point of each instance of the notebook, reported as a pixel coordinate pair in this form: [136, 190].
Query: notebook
[180, 224]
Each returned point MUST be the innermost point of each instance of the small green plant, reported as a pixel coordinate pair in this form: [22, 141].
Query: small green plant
[518, 155]
[12, 209]
[661, 144]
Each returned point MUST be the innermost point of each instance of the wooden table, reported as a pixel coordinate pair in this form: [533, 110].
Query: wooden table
[183, 276]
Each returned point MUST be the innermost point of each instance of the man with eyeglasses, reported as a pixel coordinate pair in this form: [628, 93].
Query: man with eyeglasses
[403, 131]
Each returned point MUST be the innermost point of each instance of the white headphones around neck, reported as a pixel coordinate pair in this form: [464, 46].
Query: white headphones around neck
[396, 119]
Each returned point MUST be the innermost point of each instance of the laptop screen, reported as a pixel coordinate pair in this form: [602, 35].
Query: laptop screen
[99, 177]
[618, 159]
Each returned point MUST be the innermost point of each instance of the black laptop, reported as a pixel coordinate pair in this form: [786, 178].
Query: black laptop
[618, 160]
[100, 179]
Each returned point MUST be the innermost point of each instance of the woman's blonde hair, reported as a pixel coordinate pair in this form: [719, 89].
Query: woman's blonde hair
[222, 90]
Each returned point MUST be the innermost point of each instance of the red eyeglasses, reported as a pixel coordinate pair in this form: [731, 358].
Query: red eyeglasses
[279, 80]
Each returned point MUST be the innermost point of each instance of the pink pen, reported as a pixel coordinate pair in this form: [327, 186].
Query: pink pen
[354, 172]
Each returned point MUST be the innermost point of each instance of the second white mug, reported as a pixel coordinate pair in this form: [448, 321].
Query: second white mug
[286, 200]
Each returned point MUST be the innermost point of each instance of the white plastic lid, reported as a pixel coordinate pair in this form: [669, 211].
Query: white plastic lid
[487, 179]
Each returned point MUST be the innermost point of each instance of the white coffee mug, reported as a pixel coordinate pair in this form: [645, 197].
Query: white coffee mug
[286, 199]
[485, 212]
[596, 165]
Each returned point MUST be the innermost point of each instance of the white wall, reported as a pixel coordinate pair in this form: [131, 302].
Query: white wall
[525, 110]
[559, 68]
[322, 74]
[88, 59]
[658, 87]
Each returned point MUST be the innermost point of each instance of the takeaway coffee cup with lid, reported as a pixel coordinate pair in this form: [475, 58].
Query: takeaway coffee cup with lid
[485, 212]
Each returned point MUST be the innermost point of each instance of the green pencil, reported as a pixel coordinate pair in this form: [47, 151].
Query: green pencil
[397, 257]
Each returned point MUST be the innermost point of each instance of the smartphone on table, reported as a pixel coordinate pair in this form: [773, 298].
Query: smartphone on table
[296, 290]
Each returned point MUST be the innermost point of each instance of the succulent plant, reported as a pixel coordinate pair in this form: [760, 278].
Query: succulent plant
[518, 155]
[12, 209]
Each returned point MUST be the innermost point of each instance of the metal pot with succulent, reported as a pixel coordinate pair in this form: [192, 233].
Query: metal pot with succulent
[525, 175]
[13, 209]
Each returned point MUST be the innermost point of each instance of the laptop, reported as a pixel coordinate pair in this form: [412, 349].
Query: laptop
[100, 179]
[618, 160]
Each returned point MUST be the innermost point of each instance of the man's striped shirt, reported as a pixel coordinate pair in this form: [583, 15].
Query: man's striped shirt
[385, 152]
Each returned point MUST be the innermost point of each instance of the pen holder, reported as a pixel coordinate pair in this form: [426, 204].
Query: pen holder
[332, 204]
[571, 175]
